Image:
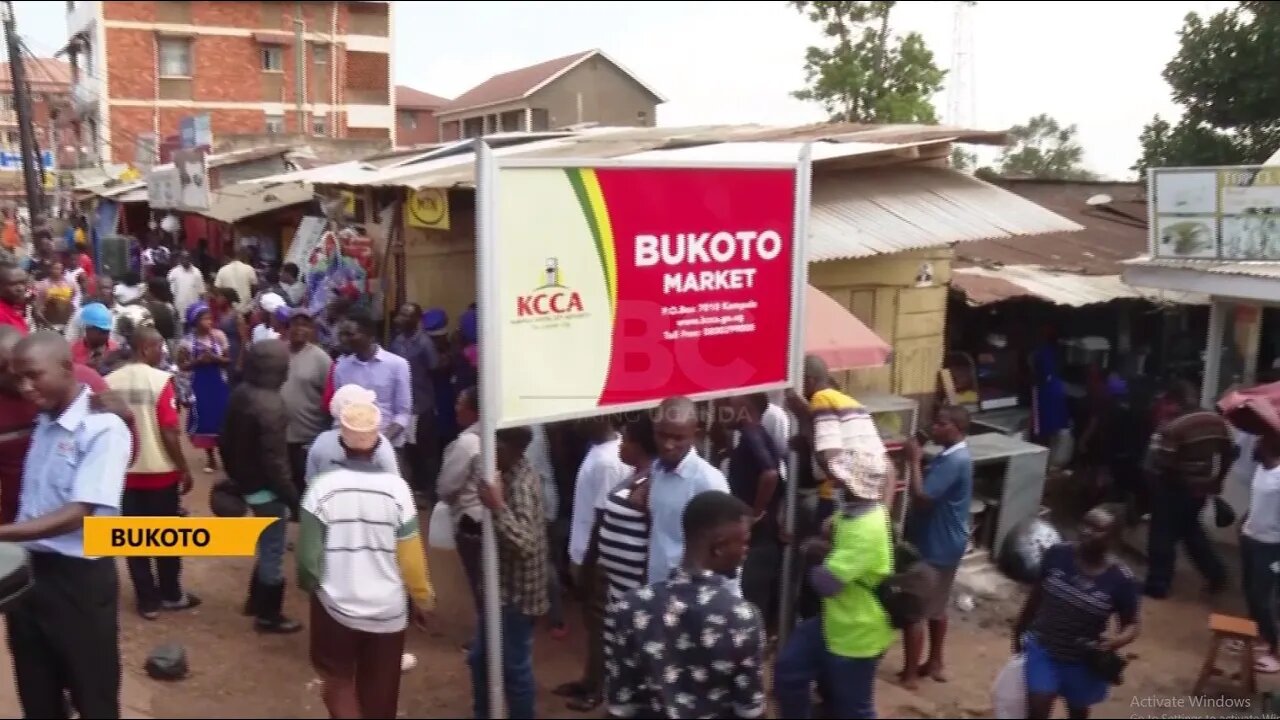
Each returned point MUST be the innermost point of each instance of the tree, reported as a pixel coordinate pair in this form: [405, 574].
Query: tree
[963, 160]
[1044, 148]
[868, 75]
[1223, 77]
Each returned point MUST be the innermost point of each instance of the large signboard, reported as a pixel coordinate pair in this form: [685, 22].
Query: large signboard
[1229, 213]
[616, 286]
[182, 184]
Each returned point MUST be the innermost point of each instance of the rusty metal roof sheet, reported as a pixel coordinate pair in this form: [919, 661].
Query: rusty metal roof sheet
[882, 211]
[1113, 233]
[982, 286]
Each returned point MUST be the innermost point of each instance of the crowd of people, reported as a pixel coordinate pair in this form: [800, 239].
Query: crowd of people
[667, 525]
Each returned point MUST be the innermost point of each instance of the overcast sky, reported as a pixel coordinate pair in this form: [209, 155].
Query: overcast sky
[1095, 64]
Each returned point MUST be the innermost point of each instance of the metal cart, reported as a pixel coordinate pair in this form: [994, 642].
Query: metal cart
[1019, 487]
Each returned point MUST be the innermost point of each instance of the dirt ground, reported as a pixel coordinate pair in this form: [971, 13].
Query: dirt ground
[238, 673]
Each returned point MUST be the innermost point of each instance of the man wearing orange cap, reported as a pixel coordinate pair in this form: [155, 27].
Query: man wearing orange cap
[360, 554]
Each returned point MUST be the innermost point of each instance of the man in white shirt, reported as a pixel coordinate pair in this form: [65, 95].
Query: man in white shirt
[601, 471]
[240, 276]
[186, 282]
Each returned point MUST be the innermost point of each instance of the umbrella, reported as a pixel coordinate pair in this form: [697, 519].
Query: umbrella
[838, 337]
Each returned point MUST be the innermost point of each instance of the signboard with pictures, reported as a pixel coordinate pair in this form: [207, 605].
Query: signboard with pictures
[1216, 213]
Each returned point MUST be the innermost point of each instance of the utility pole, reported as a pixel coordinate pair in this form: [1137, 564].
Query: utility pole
[300, 69]
[31, 175]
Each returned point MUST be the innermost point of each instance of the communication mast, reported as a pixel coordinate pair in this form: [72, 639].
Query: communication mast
[961, 93]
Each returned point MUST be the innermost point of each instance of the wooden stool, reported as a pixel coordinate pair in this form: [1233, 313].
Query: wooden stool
[1224, 628]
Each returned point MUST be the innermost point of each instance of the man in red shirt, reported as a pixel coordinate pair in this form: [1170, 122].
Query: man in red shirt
[159, 475]
[14, 294]
[18, 416]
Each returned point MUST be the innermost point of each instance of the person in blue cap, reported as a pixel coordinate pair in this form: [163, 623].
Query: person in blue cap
[95, 346]
[465, 371]
[435, 323]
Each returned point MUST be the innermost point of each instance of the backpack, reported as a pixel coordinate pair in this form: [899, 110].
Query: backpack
[905, 591]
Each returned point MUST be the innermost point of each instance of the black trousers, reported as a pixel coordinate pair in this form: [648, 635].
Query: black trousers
[64, 635]
[424, 458]
[1175, 518]
[298, 470]
[154, 579]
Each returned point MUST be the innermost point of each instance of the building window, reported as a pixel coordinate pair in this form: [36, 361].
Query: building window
[6, 103]
[275, 124]
[409, 120]
[272, 58]
[175, 57]
[319, 125]
[12, 138]
[320, 54]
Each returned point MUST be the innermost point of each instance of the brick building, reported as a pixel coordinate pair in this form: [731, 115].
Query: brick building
[416, 116]
[50, 83]
[143, 66]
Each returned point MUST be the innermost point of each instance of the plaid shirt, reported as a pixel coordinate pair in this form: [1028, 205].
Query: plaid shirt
[522, 541]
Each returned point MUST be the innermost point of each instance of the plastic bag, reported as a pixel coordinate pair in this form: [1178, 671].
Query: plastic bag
[440, 529]
[1009, 691]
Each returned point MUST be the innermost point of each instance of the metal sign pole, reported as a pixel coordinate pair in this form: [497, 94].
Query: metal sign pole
[799, 289]
[486, 236]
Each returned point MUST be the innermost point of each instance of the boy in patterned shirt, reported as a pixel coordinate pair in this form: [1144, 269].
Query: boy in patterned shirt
[690, 647]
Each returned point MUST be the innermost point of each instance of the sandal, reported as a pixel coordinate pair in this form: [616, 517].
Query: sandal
[584, 703]
[575, 689]
[1266, 665]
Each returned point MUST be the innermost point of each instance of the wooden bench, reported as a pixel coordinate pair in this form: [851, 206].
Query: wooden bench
[1224, 628]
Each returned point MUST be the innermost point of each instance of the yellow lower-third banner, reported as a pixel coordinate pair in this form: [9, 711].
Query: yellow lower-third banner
[173, 536]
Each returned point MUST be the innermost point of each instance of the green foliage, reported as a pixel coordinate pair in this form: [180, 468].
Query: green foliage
[1044, 148]
[963, 160]
[1223, 76]
[867, 74]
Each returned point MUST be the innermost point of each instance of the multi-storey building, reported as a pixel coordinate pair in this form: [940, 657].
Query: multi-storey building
[321, 68]
[50, 84]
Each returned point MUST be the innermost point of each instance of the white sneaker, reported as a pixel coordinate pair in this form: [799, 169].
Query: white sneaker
[408, 661]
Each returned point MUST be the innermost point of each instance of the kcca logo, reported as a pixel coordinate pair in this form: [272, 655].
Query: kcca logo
[552, 299]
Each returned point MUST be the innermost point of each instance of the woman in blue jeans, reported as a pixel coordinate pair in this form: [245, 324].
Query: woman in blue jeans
[1067, 619]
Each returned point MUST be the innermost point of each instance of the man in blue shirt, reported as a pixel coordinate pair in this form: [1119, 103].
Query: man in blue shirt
[678, 475]
[64, 632]
[939, 529]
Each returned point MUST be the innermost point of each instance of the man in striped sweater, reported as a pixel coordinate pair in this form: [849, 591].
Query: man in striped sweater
[360, 554]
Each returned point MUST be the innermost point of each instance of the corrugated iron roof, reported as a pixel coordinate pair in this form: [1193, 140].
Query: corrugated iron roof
[233, 203]
[519, 84]
[903, 133]
[861, 214]
[43, 75]
[720, 142]
[1113, 233]
[1245, 269]
[414, 99]
[982, 286]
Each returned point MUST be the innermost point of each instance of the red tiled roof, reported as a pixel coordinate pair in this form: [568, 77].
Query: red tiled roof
[514, 85]
[412, 99]
[1113, 233]
[43, 75]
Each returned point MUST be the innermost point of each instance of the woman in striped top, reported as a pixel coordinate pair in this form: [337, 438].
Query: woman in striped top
[621, 542]
[618, 550]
